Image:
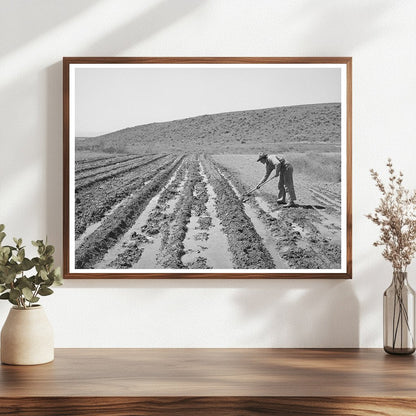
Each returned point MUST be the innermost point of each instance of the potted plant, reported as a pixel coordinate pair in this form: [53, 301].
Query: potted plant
[396, 217]
[27, 336]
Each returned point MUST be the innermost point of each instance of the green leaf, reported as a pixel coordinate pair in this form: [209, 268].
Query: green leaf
[43, 274]
[38, 280]
[26, 264]
[5, 250]
[2, 236]
[9, 277]
[49, 250]
[2, 288]
[21, 255]
[7, 296]
[24, 282]
[48, 282]
[15, 294]
[4, 256]
[37, 243]
[27, 293]
[45, 291]
[2, 227]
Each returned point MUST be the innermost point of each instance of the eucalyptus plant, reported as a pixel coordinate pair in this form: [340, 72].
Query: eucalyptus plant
[24, 280]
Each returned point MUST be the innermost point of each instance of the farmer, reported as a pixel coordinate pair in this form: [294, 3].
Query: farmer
[285, 172]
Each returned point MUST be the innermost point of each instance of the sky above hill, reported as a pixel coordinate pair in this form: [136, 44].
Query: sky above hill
[112, 98]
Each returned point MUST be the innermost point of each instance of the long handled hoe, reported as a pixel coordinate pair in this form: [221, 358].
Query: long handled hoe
[244, 197]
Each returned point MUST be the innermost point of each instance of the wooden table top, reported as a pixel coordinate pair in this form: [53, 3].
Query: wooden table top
[214, 372]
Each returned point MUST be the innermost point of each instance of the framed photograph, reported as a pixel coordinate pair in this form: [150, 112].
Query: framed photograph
[207, 167]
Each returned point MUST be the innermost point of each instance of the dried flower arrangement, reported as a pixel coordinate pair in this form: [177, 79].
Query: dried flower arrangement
[396, 217]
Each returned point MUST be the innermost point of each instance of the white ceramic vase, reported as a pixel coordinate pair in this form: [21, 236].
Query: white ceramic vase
[27, 337]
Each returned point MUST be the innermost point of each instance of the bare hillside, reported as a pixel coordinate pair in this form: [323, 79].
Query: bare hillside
[234, 132]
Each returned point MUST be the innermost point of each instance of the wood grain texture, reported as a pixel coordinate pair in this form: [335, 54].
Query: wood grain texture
[212, 381]
[207, 406]
[67, 61]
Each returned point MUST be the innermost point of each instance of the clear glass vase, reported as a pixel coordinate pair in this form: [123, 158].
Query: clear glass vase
[399, 316]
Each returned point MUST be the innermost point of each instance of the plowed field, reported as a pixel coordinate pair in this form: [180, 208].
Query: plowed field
[165, 211]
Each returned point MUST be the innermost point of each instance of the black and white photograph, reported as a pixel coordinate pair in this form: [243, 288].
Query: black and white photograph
[207, 168]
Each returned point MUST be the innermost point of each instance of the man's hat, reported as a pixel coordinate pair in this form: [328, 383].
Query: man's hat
[261, 156]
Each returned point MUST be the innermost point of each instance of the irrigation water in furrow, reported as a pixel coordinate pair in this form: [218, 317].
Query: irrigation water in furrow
[266, 208]
[92, 227]
[150, 255]
[246, 246]
[92, 205]
[218, 251]
[172, 247]
[205, 244]
[94, 247]
[196, 228]
[137, 249]
[158, 223]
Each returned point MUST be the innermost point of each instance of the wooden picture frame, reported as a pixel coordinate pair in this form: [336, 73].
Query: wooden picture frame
[159, 153]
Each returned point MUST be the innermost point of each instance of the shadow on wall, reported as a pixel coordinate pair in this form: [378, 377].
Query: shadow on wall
[140, 28]
[54, 146]
[37, 17]
[301, 313]
[348, 25]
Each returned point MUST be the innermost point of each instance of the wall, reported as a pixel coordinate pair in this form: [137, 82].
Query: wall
[380, 35]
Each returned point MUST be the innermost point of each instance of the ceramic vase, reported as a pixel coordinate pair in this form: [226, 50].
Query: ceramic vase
[27, 337]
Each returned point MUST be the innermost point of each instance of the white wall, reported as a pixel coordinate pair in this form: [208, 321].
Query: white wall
[380, 35]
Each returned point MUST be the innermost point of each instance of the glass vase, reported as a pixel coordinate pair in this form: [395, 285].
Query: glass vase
[399, 316]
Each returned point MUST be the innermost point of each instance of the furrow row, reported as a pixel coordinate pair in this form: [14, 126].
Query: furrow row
[97, 244]
[246, 246]
[91, 205]
[101, 177]
[102, 167]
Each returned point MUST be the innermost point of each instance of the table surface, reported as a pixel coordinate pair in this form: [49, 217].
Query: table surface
[214, 372]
